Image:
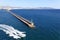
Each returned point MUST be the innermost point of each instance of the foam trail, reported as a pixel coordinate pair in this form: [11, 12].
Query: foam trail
[11, 31]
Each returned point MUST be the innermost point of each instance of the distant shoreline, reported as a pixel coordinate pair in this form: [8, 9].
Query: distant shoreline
[11, 8]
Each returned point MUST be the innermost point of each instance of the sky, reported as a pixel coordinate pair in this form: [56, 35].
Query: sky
[31, 3]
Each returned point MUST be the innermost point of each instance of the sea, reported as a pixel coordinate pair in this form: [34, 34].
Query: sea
[46, 21]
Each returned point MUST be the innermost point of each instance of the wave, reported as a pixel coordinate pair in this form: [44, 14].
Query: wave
[11, 31]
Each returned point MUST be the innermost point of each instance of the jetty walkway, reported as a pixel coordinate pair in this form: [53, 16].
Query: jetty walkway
[27, 22]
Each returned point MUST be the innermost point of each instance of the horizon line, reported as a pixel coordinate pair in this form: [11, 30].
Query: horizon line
[28, 7]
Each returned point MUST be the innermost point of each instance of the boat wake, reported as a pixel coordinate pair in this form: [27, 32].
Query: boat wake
[11, 31]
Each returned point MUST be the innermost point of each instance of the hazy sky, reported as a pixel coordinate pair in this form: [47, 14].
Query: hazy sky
[31, 3]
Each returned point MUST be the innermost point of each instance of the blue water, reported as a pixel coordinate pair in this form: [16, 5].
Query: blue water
[47, 24]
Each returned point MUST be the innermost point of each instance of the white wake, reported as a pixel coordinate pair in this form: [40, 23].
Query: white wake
[11, 31]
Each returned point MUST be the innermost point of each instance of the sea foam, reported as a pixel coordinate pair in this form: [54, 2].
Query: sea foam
[11, 31]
